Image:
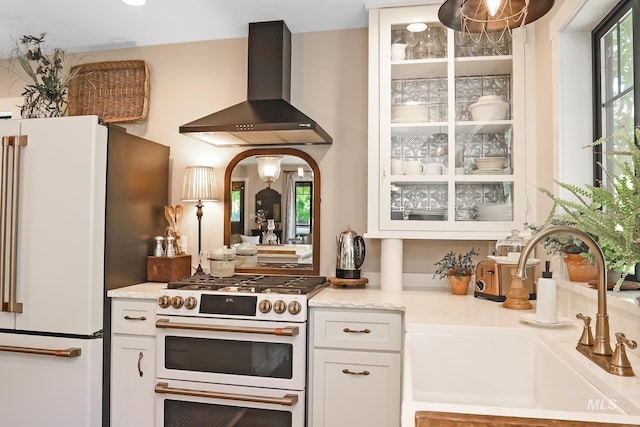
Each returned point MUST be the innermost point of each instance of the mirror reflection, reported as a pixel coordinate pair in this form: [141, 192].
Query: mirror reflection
[272, 211]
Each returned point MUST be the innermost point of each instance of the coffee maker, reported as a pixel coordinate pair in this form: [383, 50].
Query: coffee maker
[350, 254]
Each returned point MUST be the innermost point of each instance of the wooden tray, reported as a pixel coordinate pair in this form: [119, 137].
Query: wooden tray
[115, 91]
[336, 282]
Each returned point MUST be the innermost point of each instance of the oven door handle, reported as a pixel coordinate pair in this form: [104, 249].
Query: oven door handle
[288, 331]
[286, 400]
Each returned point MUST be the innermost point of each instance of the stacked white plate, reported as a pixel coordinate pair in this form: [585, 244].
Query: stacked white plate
[409, 113]
[489, 165]
[494, 212]
[490, 107]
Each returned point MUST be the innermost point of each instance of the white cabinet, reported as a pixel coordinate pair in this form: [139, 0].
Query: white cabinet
[434, 171]
[355, 368]
[132, 362]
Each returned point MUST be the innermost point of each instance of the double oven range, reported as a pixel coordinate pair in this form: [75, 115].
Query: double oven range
[232, 351]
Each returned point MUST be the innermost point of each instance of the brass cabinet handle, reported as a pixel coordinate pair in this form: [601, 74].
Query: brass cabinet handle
[67, 352]
[139, 364]
[286, 400]
[346, 371]
[356, 331]
[135, 318]
[288, 331]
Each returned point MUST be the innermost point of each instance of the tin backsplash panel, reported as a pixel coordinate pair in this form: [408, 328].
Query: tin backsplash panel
[435, 147]
[430, 201]
[433, 93]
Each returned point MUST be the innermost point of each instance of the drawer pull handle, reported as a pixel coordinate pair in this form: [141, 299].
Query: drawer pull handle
[139, 364]
[355, 331]
[346, 371]
[135, 318]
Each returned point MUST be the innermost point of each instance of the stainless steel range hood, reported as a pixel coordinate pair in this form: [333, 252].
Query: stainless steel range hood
[266, 118]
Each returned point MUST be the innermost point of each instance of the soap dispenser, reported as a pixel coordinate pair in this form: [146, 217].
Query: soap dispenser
[546, 301]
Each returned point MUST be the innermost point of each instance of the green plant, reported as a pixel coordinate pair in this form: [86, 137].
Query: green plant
[559, 244]
[453, 264]
[46, 88]
[612, 215]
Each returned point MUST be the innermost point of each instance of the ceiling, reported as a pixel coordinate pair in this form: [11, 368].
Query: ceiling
[92, 25]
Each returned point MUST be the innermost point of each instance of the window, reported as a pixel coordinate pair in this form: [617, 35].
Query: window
[615, 70]
[304, 193]
[237, 207]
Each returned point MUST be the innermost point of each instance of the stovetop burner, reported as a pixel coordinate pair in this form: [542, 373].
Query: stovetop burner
[300, 285]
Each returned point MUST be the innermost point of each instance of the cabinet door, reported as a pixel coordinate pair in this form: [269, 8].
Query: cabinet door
[441, 169]
[352, 388]
[132, 381]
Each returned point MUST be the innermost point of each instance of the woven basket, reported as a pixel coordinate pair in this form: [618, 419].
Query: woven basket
[115, 91]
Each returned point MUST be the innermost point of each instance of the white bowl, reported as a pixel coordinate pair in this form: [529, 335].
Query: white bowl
[489, 110]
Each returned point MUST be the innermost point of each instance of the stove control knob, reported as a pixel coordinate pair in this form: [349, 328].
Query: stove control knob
[279, 306]
[190, 303]
[264, 306]
[294, 307]
[164, 301]
[176, 302]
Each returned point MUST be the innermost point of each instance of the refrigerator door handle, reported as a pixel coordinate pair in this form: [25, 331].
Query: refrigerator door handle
[9, 220]
[67, 352]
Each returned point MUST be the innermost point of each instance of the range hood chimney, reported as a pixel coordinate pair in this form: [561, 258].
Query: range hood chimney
[266, 118]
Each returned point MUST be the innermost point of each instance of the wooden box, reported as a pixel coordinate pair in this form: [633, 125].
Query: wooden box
[165, 269]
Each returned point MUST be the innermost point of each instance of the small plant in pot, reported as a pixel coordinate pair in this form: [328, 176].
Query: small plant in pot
[457, 268]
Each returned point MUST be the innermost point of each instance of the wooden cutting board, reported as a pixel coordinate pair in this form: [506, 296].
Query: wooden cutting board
[336, 282]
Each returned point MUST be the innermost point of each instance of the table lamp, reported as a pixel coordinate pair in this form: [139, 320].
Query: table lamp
[199, 186]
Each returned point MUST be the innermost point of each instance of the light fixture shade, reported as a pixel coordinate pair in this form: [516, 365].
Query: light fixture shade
[199, 184]
[269, 168]
[473, 15]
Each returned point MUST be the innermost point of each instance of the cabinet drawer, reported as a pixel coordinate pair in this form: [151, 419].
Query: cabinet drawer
[357, 329]
[133, 316]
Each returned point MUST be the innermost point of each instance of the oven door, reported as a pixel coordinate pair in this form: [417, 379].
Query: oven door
[186, 404]
[228, 351]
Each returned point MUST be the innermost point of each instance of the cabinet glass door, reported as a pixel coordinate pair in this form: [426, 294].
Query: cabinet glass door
[446, 130]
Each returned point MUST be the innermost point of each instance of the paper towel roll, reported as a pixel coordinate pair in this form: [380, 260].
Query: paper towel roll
[546, 301]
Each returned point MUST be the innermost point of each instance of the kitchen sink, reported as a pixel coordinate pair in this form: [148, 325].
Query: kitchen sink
[498, 371]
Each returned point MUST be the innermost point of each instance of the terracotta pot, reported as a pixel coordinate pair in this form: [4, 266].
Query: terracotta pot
[459, 285]
[580, 270]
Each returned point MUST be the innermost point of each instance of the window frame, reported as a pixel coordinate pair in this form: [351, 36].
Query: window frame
[612, 18]
[304, 183]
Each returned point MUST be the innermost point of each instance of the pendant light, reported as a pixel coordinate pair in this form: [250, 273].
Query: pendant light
[486, 16]
[269, 168]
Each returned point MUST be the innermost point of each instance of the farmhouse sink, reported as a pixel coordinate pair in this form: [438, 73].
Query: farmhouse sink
[499, 371]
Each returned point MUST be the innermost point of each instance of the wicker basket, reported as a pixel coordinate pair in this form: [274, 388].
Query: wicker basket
[115, 91]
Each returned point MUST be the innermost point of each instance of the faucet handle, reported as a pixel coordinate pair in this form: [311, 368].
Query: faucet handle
[622, 339]
[620, 364]
[587, 336]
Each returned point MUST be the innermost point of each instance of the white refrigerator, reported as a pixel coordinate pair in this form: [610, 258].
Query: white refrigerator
[54, 260]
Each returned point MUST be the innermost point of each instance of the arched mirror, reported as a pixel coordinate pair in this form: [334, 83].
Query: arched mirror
[272, 201]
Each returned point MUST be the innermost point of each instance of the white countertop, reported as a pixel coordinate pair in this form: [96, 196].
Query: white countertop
[147, 290]
[435, 307]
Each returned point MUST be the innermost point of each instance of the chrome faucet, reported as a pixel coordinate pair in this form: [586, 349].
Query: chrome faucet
[598, 348]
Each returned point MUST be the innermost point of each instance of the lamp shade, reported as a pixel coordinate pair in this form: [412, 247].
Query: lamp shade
[480, 16]
[199, 184]
[269, 168]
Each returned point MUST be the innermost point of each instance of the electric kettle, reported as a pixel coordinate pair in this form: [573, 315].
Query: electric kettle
[350, 255]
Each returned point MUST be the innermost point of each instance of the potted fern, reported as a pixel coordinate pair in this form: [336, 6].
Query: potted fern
[457, 268]
[612, 215]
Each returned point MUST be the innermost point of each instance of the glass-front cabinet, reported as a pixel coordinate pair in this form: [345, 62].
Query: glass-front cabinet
[447, 141]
